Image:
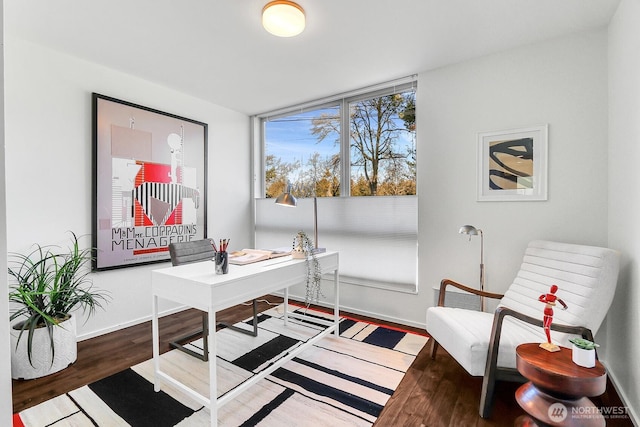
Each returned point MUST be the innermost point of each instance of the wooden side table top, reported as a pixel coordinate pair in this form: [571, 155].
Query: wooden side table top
[557, 373]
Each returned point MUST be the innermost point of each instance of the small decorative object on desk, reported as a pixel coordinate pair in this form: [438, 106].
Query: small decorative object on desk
[550, 300]
[222, 262]
[222, 257]
[301, 245]
[583, 352]
[303, 249]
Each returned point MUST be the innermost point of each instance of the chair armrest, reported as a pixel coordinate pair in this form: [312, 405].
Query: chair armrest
[449, 282]
[502, 312]
[496, 331]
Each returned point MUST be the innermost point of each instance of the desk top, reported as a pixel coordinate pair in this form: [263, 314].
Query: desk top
[556, 371]
[198, 286]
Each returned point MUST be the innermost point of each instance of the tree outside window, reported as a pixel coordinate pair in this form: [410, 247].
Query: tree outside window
[303, 149]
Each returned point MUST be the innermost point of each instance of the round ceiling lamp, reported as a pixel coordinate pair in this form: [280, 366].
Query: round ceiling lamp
[283, 18]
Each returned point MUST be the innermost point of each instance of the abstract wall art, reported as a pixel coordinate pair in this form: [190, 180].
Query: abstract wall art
[512, 164]
[149, 182]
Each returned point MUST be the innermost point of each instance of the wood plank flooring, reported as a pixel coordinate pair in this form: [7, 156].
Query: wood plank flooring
[432, 393]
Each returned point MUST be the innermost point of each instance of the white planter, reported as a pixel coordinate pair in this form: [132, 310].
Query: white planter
[298, 254]
[66, 346]
[582, 357]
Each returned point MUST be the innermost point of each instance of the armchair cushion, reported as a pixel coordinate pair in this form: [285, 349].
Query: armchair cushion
[465, 334]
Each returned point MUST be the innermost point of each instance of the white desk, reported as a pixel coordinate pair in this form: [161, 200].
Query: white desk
[196, 285]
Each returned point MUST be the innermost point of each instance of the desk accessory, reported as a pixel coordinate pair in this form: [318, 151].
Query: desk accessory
[287, 199]
[249, 256]
[222, 262]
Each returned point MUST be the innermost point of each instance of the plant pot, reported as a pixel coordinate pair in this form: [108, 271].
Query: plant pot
[298, 254]
[582, 357]
[66, 351]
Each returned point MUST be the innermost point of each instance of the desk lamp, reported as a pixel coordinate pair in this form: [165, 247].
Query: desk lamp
[472, 231]
[287, 199]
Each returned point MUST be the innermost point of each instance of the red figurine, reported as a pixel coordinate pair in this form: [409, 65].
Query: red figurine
[550, 300]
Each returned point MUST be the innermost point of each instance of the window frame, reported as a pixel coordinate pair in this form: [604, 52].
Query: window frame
[278, 225]
[342, 101]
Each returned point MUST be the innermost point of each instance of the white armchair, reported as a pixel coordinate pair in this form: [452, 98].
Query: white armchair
[485, 343]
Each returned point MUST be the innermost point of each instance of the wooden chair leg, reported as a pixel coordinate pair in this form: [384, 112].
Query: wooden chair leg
[486, 396]
[434, 348]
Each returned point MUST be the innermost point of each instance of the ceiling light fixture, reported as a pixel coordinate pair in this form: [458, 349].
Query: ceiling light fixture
[283, 18]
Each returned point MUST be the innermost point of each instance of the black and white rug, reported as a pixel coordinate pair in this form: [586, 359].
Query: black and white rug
[342, 381]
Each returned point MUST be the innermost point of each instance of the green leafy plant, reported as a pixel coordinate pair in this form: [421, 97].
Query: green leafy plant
[48, 286]
[314, 274]
[583, 343]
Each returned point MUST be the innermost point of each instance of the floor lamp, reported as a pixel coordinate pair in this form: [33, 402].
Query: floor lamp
[287, 199]
[472, 231]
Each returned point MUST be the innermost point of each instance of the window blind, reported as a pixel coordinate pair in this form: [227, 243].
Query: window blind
[377, 237]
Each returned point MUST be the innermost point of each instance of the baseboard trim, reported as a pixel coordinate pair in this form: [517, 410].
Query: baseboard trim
[366, 313]
[133, 322]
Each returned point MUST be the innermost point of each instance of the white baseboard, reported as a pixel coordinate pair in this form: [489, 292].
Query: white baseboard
[134, 322]
[363, 312]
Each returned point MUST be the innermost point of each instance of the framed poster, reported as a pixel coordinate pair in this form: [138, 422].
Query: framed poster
[149, 182]
[512, 164]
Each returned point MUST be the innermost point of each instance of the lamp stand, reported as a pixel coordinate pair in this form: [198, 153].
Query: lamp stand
[316, 250]
[481, 269]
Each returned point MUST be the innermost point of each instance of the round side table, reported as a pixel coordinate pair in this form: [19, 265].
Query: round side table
[557, 391]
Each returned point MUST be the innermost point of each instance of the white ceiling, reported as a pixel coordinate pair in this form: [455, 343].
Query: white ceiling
[217, 50]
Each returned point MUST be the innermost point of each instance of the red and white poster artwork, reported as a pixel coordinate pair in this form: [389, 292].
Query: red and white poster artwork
[150, 183]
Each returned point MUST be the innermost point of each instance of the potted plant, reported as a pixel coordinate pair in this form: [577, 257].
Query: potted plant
[583, 352]
[47, 287]
[303, 248]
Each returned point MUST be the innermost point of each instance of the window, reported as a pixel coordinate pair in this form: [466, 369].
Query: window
[295, 153]
[382, 145]
[305, 147]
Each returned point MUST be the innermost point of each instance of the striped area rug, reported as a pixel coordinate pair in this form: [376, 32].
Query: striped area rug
[342, 381]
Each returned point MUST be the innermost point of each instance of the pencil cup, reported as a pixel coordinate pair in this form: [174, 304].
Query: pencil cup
[222, 262]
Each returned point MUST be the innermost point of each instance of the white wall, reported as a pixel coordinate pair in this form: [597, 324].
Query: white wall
[622, 346]
[561, 82]
[6, 408]
[48, 172]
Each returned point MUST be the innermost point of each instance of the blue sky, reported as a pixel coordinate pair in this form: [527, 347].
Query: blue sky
[290, 138]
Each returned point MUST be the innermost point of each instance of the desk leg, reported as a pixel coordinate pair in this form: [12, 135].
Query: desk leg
[213, 380]
[285, 304]
[336, 302]
[156, 343]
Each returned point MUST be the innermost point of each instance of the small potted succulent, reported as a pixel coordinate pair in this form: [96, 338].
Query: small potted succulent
[583, 352]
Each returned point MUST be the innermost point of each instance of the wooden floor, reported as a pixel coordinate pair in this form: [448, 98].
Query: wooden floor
[432, 393]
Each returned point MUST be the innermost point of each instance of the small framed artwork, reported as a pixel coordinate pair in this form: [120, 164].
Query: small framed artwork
[149, 182]
[512, 164]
